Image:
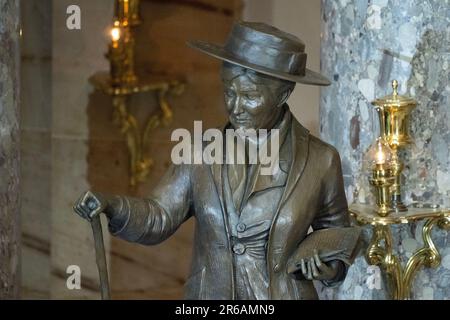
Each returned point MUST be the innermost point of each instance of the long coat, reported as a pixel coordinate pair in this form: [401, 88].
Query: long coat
[313, 196]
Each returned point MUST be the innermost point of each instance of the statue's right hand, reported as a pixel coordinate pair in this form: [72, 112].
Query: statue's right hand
[90, 204]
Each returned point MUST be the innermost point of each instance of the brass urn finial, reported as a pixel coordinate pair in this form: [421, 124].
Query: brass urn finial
[395, 87]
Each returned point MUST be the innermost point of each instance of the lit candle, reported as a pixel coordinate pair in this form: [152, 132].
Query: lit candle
[115, 55]
[115, 35]
[380, 157]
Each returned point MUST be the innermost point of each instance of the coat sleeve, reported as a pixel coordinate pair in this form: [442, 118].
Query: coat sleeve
[154, 219]
[334, 210]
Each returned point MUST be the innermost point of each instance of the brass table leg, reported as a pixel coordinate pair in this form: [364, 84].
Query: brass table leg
[399, 279]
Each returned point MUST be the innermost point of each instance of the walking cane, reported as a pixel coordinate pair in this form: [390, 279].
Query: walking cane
[100, 257]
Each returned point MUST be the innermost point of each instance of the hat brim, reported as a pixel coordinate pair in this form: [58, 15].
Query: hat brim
[216, 51]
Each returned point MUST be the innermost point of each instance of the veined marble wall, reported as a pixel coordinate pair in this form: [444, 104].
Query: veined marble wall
[9, 150]
[366, 44]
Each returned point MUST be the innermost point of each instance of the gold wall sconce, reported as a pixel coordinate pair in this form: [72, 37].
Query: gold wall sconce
[121, 82]
[384, 167]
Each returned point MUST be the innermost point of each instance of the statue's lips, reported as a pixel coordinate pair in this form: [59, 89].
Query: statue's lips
[240, 120]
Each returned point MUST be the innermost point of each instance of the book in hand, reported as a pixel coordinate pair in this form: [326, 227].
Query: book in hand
[333, 243]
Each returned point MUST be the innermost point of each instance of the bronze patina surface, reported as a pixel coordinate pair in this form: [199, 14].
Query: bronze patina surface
[248, 225]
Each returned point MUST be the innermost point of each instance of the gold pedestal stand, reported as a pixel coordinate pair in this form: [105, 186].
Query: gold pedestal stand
[380, 251]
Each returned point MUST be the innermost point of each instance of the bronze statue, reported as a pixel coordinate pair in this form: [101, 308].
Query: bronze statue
[248, 225]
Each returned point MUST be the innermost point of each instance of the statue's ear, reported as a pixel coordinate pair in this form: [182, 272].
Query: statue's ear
[284, 96]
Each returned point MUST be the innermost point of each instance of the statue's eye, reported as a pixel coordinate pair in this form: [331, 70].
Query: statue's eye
[251, 96]
[229, 93]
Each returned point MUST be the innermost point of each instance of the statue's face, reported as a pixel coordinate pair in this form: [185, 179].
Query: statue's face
[253, 100]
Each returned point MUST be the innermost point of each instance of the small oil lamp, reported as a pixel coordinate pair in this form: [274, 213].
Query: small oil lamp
[378, 162]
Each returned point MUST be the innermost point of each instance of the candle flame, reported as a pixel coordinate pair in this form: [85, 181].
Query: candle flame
[380, 156]
[115, 34]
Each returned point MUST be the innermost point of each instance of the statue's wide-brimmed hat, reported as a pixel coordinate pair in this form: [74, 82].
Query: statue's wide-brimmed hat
[264, 49]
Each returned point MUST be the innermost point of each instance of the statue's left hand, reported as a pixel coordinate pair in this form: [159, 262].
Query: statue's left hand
[315, 269]
[90, 204]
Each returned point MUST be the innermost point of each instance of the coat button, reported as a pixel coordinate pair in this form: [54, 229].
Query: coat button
[241, 227]
[239, 248]
[276, 268]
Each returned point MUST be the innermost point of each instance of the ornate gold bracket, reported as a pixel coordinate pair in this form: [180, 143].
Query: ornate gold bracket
[138, 140]
[380, 251]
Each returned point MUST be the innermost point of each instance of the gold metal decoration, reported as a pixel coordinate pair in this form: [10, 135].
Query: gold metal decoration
[121, 82]
[379, 165]
[385, 168]
[393, 111]
[380, 251]
[382, 179]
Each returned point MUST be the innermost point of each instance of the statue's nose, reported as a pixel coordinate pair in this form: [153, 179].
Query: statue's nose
[237, 107]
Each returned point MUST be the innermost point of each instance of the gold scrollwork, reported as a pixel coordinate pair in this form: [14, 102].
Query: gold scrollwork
[380, 253]
[137, 141]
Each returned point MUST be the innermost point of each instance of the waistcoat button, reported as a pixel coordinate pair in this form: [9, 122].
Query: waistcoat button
[239, 248]
[241, 227]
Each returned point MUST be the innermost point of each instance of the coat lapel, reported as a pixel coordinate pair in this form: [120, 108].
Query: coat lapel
[264, 182]
[299, 148]
[278, 178]
[300, 152]
[216, 171]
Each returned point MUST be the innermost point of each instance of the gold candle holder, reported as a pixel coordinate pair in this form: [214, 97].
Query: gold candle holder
[115, 54]
[378, 160]
[121, 55]
[127, 11]
[382, 179]
[128, 76]
[393, 112]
